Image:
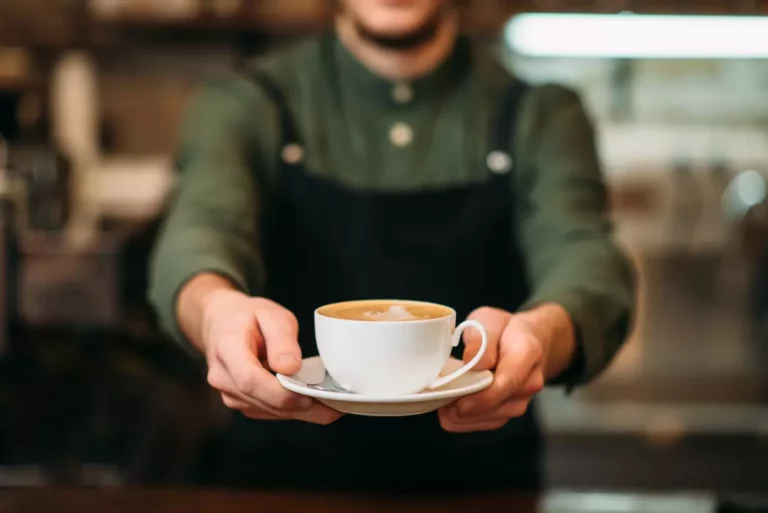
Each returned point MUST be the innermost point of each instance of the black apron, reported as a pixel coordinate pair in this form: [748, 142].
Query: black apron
[324, 242]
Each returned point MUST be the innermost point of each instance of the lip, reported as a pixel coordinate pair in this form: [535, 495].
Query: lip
[397, 3]
[402, 301]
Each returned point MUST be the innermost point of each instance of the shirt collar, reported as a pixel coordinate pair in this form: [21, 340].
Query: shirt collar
[393, 93]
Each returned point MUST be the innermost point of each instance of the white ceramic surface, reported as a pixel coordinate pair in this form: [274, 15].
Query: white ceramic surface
[381, 358]
[312, 371]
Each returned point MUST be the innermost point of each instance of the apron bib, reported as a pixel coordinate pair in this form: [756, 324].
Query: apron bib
[324, 242]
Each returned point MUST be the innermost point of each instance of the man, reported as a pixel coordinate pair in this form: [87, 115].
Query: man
[389, 159]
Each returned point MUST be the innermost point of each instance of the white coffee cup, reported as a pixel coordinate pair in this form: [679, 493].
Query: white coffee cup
[392, 358]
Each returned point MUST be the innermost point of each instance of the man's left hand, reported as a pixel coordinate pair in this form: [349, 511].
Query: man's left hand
[519, 347]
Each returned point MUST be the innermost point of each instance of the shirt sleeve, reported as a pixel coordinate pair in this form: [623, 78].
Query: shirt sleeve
[211, 222]
[566, 231]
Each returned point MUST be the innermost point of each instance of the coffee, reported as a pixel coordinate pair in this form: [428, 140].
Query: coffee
[385, 311]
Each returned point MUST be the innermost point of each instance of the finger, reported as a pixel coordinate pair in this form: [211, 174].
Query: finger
[280, 330]
[474, 428]
[450, 414]
[514, 408]
[451, 426]
[517, 374]
[494, 321]
[249, 404]
[249, 378]
[511, 409]
[235, 399]
[256, 414]
[220, 380]
[319, 414]
[235, 403]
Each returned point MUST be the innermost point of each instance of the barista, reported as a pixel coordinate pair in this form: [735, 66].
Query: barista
[391, 157]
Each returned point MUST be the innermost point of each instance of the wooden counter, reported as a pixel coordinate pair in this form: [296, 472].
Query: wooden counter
[188, 501]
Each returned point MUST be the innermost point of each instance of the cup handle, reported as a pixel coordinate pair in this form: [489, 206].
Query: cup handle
[456, 339]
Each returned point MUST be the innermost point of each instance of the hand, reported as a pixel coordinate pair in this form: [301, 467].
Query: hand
[519, 347]
[243, 338]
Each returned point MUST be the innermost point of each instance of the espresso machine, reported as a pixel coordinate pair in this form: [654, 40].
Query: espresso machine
[68, 211]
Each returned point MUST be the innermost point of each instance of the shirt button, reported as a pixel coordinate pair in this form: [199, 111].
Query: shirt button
[499, 162]
[401, 135]
[293, 154]
[402, 93]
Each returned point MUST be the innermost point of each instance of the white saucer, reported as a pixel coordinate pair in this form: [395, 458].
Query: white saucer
[312, 371]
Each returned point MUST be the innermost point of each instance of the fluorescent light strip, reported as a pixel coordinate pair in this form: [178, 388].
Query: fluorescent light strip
[638, 36]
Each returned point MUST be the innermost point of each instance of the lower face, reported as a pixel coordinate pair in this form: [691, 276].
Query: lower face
[394, 19]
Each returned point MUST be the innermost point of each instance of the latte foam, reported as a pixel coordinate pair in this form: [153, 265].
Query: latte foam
[385, 311]
[393, 313]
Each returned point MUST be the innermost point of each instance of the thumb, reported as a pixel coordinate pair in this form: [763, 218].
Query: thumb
[280, 331]
[494, 322]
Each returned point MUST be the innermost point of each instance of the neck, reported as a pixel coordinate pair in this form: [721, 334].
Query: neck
[400, 63]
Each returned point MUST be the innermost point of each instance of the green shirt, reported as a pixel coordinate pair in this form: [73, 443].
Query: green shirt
[430, 132]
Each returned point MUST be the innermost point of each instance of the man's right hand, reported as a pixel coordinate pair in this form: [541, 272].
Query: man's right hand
[242, 338]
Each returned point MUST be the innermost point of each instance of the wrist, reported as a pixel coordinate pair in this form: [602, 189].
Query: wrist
[554, 328]
[196, 300]
[211, 289]
[547, 320]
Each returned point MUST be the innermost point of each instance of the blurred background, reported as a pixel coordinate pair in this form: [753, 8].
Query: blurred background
[91, 94]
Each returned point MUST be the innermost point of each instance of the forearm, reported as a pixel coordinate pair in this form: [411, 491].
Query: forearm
[213, 222]
[566, 233]
[180, 256]
[191, 304]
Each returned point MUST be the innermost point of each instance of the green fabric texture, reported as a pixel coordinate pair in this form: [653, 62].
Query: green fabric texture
[230, 146]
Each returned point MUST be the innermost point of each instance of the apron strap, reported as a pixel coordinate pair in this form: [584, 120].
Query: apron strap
[501, 159]
[291, 148]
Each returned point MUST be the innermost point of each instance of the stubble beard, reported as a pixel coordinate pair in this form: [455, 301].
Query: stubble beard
[413, 40]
